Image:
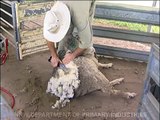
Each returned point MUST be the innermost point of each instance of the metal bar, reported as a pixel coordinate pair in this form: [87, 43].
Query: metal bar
[6, 22]
[2, 36]
[7, 31]
[15, 20]
[123, 6]
[122, 13]
[6, 7]
[153, 106]
[6, 12]
[154, 64]
[149, 29]
[155, 78]
[127, 35]
[147, 102]
[16, 30]
[7, 3]
[6, 17]
[122, 53]
[9, 41]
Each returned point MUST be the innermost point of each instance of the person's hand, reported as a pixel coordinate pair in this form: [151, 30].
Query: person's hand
[68, 58]
[55, 61]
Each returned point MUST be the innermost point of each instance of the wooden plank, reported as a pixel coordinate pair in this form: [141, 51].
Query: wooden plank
[129, 13]
[127, 35]
[24, 34]
[34, 50]
[32, 38]
[33, 9]
[36, 43]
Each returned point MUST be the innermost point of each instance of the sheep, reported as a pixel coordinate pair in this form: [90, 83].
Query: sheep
[83, 77]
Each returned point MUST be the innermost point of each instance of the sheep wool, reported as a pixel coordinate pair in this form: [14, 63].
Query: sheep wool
[64, 85]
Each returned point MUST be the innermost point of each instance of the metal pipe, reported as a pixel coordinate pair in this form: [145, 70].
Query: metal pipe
[9, 41]
[6, 12]
[7, 32]
[16, 29]
[7, 3]
[6, 22]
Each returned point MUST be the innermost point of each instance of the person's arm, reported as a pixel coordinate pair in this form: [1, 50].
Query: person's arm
[51, 46]
[78, 52]
[70, 56]
[55, 59]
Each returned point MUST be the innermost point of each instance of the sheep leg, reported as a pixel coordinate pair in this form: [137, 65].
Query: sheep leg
[127, 95]
[116, 81]
[109, 65]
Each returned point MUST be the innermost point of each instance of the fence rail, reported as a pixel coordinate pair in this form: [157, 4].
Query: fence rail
[6, 20]
[129, 13]
[127, 35]
[15, 15]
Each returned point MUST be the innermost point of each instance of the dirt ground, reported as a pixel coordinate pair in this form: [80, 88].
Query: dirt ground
[27, 81]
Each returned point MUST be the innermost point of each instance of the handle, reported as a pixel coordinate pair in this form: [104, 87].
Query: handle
[49, 59]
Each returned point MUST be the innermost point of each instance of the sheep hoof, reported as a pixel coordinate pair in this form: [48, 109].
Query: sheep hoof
[120, 80]
[47, 91]
[109, 65]
[117, 81]
[131, 95]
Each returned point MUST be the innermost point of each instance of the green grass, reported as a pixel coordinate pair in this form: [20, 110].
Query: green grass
[130, 26]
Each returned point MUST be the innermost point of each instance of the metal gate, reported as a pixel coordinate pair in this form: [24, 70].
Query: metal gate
[149, 105]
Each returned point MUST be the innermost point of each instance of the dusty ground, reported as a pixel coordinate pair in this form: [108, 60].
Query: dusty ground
[27, 80]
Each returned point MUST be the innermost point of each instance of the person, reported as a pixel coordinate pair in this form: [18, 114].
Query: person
[78, 38]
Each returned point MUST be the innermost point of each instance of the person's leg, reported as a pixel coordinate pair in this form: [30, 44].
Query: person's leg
[90, 52]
